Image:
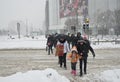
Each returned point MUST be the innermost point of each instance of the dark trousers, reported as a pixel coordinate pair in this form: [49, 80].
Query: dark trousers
[83, 60]
[50, 49]
[62, 59]
[73, 66]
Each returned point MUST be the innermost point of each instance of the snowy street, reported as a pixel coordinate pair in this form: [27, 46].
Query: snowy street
[13, 61]
[30, 30]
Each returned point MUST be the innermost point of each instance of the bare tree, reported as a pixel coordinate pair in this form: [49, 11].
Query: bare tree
[117, 20]
[106, 20]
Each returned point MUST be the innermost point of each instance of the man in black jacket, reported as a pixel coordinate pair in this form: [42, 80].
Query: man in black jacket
[88, 46]
[78, 37]
[83, 48]
[50, 44]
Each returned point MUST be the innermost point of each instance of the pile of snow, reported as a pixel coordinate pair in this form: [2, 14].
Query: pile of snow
[106, 76]
[48, 75]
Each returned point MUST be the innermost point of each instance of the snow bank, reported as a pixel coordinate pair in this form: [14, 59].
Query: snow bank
[106, 76]
[40, 43]
[48, 75]
[106, 46]
[23, 43]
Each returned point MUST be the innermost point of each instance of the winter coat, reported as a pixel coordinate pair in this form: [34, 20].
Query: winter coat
[73, 40]
[88, 47]
[73, 58]
[78, 37]
[50, 40]
[65, 47]
[84, 49]
[59, 49]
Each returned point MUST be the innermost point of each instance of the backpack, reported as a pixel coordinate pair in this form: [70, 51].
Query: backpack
[60, 50]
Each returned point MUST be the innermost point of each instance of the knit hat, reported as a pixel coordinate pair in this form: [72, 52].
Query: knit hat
[74, 49]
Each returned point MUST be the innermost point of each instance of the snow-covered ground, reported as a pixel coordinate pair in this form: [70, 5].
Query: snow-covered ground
[47, 75]
[40, 43]
[106, 76]
[51, 75]
[23, 43]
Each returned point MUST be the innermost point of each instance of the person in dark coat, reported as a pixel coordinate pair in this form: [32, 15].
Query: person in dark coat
[50, 44]
[78, 37]
[55, 39]
[88, 45]
[73, 40]
[68, 38]
[83, 48]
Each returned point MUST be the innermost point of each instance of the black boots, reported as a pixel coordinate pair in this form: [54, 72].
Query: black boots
[81, 74]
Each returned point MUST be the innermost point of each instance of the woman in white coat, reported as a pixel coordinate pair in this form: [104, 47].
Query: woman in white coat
[62, 55]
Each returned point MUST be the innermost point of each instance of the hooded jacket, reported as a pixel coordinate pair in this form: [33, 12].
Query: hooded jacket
[65, 44]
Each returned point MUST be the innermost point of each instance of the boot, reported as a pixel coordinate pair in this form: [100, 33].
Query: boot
[65, 67]
[85, 72]
[74, 72]
[81, 74]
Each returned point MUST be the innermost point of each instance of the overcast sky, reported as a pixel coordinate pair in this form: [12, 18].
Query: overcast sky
[30, 10]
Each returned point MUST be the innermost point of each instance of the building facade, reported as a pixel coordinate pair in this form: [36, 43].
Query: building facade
[64, 13]
[118, 4]
[47, 17]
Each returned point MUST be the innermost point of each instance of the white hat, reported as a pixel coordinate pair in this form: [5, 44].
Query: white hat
[74, 49]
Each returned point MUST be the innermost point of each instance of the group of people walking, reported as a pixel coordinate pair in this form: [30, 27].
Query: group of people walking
[77, 52]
